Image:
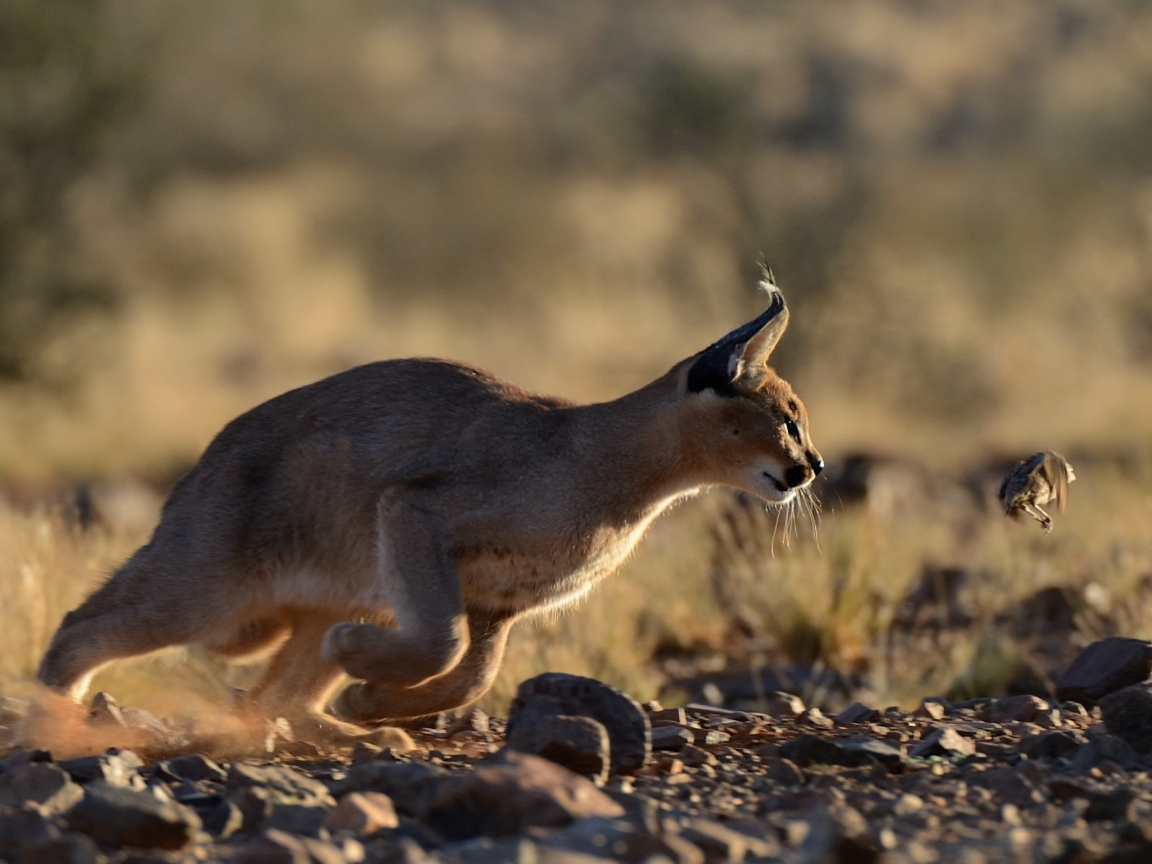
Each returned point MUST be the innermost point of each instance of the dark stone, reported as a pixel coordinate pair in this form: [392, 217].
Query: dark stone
[27, 826]
[623, 841]
[556, 693]
[1128, 715]
[1105, 667]
[943, 741]
[580, 744]
[485, 850]
[125, 817]
[857, 712]
[223, 819]
[273, 847]
[117, 768]
[45, 784]
[671, 737]
[806, 750]
[1111, 806]
[1016, 709]
[1104, 748]
[408, 784]
[195, 767]
[286, 784]
[1050, 745]
[254, 804]
[297, 819]
[504, 798]
[68, 848]
[878, 751]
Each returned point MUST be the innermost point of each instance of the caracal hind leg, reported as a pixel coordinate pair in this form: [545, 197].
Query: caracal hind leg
[1039, 515]
[142, 608]
[298, 682]
[469, 680]
[422, 586]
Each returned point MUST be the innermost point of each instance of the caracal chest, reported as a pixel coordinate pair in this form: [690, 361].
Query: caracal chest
[545, 571]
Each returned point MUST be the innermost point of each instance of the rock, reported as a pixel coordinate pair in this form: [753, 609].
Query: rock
[223, 819]
[719, 843]
[556, 693]
[362, 813]
[783, 771]
[694, 757]
[943, 741]
[1128, 715]
[1050, 745]
[485, 850]
[27, 826]
[1009, 786]
[623, 841]
[675, 716]
[40, 782]
[105, 711]
[305, 820]
[116, 768]
[286, 784]
[521, 791]
[407, 784]
[365, 752]
[857, 712]
[1105, 667]
[473, 720]
[805, 750]
[278, 847]
[781, 704]
[126, 817]
[838, 836]
[671, 737]
[580, 744]
[254, 804]
[1016, 709]
[68, 848]
[195, 767]
[1104, 748]
[932, 708]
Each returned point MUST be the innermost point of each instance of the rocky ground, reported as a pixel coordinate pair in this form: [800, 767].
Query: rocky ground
[580, 772]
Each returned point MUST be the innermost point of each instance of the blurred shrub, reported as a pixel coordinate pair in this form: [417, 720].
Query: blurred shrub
[63, 82]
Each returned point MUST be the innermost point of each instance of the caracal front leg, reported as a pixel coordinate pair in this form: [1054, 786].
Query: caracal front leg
[422, 585]
[373, 701]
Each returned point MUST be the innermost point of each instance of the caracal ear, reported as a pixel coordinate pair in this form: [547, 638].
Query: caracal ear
[718, 366]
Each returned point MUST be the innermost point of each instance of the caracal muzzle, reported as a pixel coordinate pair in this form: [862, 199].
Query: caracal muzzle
[434, 505]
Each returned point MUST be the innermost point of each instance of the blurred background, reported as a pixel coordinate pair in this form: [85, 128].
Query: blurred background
[205, 203]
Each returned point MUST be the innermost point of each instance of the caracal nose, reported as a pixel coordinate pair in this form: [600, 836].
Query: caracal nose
[816, 462]
[796, 475]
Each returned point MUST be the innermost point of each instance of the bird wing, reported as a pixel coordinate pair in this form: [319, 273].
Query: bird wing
[1059, 474]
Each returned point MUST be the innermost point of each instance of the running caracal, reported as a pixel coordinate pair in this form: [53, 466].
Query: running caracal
[434, 505]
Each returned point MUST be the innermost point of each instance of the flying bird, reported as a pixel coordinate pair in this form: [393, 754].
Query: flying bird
[1033, 482]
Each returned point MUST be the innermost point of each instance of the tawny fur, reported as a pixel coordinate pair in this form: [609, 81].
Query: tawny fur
[435, 505]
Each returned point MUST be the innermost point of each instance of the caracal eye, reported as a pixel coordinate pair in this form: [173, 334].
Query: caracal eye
[792, 429]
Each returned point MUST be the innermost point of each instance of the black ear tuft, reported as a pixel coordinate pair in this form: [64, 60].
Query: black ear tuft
[719, 365]
[711, 372]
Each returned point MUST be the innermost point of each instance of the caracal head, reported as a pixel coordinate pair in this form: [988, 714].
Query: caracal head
[740, 422]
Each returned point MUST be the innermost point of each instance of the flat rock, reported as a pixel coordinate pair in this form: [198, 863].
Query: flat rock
[1128, 715]
[857, 712]
[195, 767]
[805, 750]
[117, 768]
[623, 841]
[42, 783]
[504, 799]
[290, 785]
[24, 827]
[1016, 709]
[943, 741]
[362, 813]
[1105, 667]
[305, 820]
[126, 817]
[556, 693]
[671, 737]
[580, 744]
[68, 848]
[781, 704]
[407, 784]
[278, 847]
